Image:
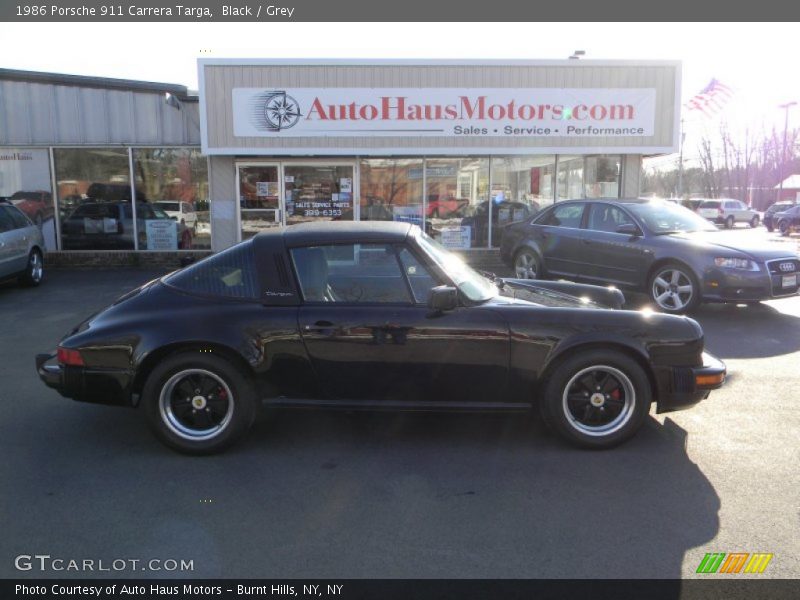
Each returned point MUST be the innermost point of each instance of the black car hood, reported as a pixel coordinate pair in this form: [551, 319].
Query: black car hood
[729, 241]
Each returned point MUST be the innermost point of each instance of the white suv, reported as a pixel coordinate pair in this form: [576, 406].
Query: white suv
[180, 211]
[728, 212]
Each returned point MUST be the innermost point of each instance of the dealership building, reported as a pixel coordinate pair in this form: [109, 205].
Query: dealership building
[129, 171]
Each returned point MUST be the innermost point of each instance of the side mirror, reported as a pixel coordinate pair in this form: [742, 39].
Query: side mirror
[629, 229]
[443, 298]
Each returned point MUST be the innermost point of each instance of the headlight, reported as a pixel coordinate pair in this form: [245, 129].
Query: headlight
[736, 263]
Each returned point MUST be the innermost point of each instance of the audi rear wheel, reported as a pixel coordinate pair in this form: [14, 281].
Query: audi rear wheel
[527, 265]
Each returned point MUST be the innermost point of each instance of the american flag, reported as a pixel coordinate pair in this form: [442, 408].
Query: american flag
[711, 100]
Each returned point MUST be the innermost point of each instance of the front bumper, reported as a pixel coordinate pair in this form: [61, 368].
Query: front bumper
[86, 384]
[731, 285]
[682, 387]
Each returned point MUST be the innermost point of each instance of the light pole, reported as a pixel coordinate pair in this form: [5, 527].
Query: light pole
[786, 108]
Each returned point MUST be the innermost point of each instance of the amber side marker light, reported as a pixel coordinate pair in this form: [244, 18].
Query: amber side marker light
[69, 357]
[703, 380]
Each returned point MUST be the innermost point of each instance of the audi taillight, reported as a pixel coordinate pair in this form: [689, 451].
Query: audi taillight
[69, 357]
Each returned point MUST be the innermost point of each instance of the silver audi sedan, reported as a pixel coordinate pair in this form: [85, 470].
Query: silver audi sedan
[21, 246]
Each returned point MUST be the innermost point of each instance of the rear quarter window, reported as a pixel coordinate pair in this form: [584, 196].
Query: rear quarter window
[228, 274]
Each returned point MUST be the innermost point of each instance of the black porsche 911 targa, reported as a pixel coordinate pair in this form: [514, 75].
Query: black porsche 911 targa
[375, 316]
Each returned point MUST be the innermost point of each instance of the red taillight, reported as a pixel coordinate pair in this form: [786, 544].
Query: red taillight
[69, 357]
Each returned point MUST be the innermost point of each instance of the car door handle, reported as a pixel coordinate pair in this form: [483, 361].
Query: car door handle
[586, 241]
[320, 326]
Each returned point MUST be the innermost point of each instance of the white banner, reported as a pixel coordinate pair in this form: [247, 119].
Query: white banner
[444, 112]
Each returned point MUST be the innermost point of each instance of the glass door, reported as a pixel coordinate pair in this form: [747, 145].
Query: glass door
[259, 197]
[318, 192]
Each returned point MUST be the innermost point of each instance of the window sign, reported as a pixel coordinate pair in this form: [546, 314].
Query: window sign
[456, 237]
[162, 234]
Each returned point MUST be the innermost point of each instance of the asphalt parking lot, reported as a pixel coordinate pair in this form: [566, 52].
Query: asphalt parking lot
[324, 494]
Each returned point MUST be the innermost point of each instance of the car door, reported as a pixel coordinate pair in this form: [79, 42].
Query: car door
[557, 234]
[14, 239]
[608, 256]
[371, 337]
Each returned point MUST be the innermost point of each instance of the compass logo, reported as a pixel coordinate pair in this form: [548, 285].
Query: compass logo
[276, 110]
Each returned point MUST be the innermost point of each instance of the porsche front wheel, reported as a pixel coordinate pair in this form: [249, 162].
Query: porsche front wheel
[199, 403]
[597, 399]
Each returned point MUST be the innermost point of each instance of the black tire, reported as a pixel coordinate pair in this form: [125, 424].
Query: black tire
[730, 222]
[527, 264]
[219, 414]
[770, 228]
[34, 271]
[754, 221]
[679, 301]
[587, 417]
[783, 227]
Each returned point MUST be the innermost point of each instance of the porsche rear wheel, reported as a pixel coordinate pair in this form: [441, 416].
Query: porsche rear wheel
[597, 399]
[198, 402]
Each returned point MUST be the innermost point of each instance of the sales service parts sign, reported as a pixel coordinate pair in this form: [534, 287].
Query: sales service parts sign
[444, 112]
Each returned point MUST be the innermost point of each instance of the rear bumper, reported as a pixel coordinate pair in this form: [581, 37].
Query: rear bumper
[86, 384]
[682, 387]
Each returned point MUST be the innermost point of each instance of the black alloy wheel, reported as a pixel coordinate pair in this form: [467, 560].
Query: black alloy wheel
[198, 402]
[597, 398]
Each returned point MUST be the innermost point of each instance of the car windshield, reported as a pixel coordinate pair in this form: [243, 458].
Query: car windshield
[472, 284]
[710, 204]
[171, 206]
[665, 217]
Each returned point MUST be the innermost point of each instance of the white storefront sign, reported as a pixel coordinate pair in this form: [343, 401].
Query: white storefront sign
[162, 234]
[444, 112]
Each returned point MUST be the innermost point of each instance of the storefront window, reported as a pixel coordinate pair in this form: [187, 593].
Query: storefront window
[259, 198]
[589, 176]
[391, 190]
[175, 183]
[603, 176]
[94, 199]
[457, 190]
[521, 185]
[320, 192]
[570, 177]
[25, 182]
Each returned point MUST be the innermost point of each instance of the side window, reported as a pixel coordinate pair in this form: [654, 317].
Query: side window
[418, 276]
[20, 220]
[6, 222]
[607, 218]
[350, 273]
[230, 274]
[568, 215]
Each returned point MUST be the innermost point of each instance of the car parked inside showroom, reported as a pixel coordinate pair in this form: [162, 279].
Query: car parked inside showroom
[728, 212]
[675, 256]
[375, 316]
[21, 246]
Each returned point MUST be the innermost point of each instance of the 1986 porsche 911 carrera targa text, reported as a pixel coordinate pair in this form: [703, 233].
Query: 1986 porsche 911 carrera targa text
[378, 316]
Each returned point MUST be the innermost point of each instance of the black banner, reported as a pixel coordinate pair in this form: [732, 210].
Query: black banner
[111, 11]
[732, 588]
